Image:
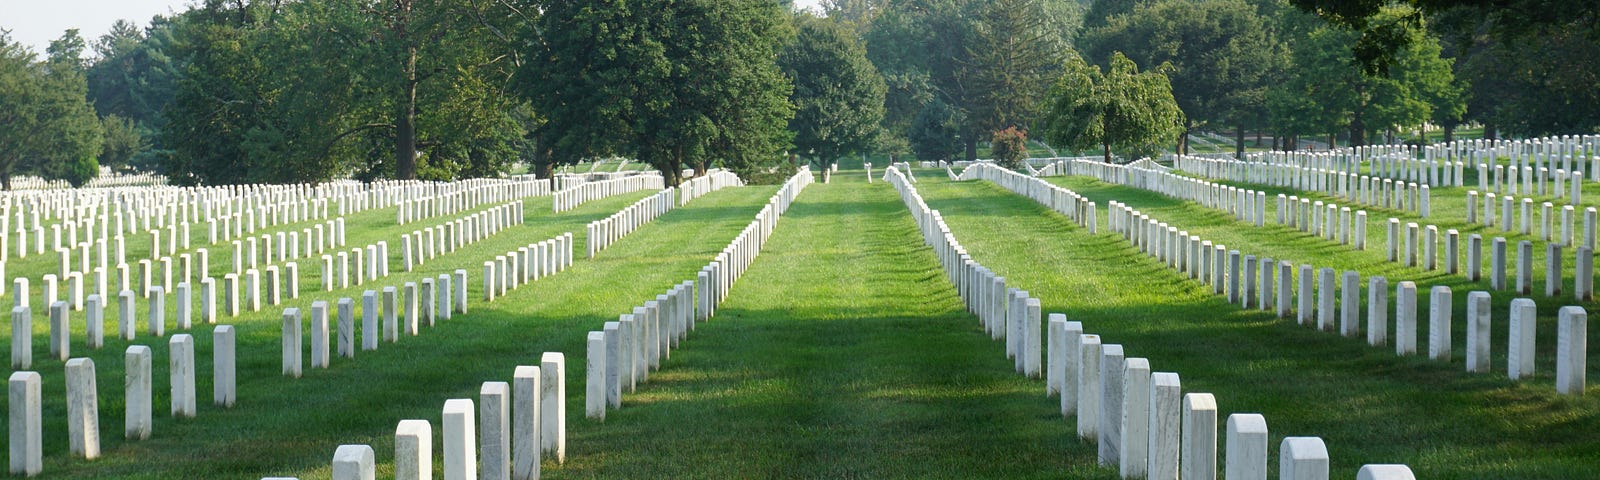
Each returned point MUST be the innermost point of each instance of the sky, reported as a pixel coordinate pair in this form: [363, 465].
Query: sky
[36, 22]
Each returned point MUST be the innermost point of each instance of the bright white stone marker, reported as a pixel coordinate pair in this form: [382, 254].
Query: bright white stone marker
[460, 457]
[494, 411]
[83, 409]
[553, 404]
[1135, 427]
[1199, 457]
[319, 334]
[1385, 472]
[1478, 332]
[1112, 366]
[224, 388]
[60, 331]
[137, 411]
[1405, 318]
[26, 428]
[181, 368]
[293, 347]
[1377, 311]
[594, 399]
[353, 462]
[1302, 458]
[1166, 425]
[1089, 387]
[1439, 311]
[347, 328]
[21, 338]
[1524, 323]
[413, 450]
[525, 422]
[369, 320]
[1572, 346]
[1055, 354]
[1246, 447]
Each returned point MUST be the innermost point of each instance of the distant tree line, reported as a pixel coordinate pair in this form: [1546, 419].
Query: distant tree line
[239, 91]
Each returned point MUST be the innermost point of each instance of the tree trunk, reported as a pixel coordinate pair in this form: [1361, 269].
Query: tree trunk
[5, 181]
[972, 148]
[1358, 132]
[1183, 140]
[1258, 138]
[405, 132]
[1107, 147]
[1238, 143]
[1449, 133]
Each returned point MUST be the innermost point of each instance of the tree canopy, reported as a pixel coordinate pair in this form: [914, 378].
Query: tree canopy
[1123, 109]
[838, 94]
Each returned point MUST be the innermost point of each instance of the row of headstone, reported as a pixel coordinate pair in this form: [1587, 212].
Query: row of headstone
[526, 264]
[717, 179]
[425, 244]
[1144, 424]
[1064, 201]
[468, 194]
[622, 354]
[1397, 163]
[1403, 247]
[26, 421]
[408, 308]
[255, 252]
[1515, 215]
[569, 198]
[603, 232]
[1250, 284]
[1351, 187]
[61, 325]
[513, 427]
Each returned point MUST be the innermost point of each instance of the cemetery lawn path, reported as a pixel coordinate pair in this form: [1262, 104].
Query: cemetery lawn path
[1367, 404]
[841, 353]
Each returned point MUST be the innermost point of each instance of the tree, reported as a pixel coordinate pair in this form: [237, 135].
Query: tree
[936, 132]
[1010, 146]
[689, 82]
[1328, 91]
[1382, 36]
[410, 89]
[1102, 11]
[47, 126]
[122, 142]
[1123, 108]
[838, 95]
[1220, 57]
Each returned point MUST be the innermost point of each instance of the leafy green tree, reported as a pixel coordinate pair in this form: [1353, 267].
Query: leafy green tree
[684, 83]
[936, 132]
[1383, 26]
[1219, 55]
[1101, 12]
[405, 89]
[122, 142]
[1327, 90]
[838, 94]
[53, 131]
[1122, 108]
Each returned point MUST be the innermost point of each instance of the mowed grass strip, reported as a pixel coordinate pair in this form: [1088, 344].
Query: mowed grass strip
[286, 427]
[842, 353]
[1368, 405]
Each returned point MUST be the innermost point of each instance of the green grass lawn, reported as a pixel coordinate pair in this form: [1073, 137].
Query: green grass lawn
[842, 353]
[291, 427]
[1370, 406]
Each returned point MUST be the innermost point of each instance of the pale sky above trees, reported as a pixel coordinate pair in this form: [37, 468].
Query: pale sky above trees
[35, 23]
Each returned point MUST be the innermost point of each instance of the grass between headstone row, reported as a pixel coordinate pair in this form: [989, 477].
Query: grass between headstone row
[1368, 405]
[290, 427]
[1285, 243]
[842, 353]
